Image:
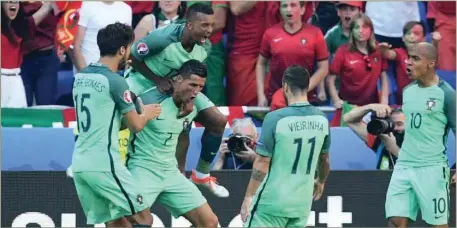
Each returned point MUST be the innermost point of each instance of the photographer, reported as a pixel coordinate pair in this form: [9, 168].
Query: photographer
[237, 151]
[381, 128]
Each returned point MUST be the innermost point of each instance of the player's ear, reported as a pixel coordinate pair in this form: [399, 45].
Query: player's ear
[190, 25]
[122, 50]
[179, 78]
[432, 64]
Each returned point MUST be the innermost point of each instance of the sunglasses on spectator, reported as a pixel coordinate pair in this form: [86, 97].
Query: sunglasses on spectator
[367, 60]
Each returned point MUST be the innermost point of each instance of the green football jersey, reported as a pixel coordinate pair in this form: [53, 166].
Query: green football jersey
[155, 146]
[430, 113]
[101, 97]
[293, 137]
[164, 55]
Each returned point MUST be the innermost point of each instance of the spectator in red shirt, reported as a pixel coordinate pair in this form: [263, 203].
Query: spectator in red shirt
[359, 65]
[444, 23]
[246, 27]
[41, 63]
[16, 27]
[413, 32]
[292, 42]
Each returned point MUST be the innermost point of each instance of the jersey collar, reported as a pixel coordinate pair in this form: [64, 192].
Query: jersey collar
[299, 104]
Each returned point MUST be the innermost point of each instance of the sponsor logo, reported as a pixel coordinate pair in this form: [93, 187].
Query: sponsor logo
[127, 97]
[142, 49]
[333, 217]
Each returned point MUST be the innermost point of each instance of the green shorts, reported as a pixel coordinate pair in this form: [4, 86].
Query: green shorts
[107, 196]
[170, 188]
[261, 219]
[424, 188]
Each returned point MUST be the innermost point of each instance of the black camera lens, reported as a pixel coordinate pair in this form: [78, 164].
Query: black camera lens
[379, 126]
[236, 143]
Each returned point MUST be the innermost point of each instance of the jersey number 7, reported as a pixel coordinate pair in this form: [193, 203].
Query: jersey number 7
[79, 110]
[299, 142]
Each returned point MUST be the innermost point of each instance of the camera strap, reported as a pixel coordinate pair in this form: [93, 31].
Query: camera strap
[235, 166]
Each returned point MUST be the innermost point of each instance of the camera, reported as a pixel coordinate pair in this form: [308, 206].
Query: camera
[379, 125]
[236, 143]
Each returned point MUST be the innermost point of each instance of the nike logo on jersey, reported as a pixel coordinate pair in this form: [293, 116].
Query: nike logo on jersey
[159, 118]
[277, 39]
[352, 62]
[437, 217]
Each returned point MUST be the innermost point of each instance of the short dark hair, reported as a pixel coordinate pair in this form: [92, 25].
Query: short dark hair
[193, 66]
[297, 78]
[409, 25]
[196, 8]
[114, 36]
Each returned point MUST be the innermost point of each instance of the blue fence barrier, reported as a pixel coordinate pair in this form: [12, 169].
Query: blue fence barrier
[50, 149]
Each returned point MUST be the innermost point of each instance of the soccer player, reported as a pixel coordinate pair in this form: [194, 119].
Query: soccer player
[157, 59]
[105, 187]
[294, 141]
[152, 152]
[421, 176]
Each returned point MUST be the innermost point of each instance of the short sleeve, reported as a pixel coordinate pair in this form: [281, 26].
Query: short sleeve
[84, 14]
[337, 61]
[266, 143]
[327, 142]
[265, 49]
[120, 93]
[153, 43]
[449, 104]
[321, 46]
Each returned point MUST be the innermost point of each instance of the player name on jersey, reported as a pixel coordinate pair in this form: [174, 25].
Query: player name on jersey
[306, 125]
[91, 83]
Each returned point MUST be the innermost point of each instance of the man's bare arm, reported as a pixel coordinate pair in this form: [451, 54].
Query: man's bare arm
[319, 75]
[238, 8]
[181, 150]
[141, 67]
[260, 169]
[323, 167]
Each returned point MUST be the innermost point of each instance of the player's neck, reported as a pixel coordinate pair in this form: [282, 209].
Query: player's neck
[110, 62]
[297, 99]
[430, 79]
[293, 28]
[186, 40]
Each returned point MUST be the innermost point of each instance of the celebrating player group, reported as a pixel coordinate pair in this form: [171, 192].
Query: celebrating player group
[159, 98]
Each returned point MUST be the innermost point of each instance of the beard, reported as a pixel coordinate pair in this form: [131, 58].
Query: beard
[122, 64]
[399, 136]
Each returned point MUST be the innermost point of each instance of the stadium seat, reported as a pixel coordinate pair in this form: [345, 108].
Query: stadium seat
[448, 76]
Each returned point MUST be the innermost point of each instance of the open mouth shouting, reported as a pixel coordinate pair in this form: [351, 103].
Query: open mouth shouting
[12, 8]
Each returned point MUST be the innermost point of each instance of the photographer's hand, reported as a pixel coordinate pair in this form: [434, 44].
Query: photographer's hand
[247, 155]
[453, 180]
[382, 110]
[390, 142]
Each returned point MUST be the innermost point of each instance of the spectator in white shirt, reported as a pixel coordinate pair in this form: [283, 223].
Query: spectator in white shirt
[93, 17]
[389, 18]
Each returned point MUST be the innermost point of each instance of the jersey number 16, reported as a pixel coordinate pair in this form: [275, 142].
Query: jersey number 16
[80, 108]
[299, 142]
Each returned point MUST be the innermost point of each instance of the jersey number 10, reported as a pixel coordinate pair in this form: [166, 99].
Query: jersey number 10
[299, 142]
[80, 109]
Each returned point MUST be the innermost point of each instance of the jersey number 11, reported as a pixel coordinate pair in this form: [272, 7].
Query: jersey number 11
[299, 142]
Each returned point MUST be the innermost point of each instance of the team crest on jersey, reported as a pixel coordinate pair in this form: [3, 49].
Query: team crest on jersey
[139, 199]
[127, 96]
[142, 49]
[431, 103]
[303, 41]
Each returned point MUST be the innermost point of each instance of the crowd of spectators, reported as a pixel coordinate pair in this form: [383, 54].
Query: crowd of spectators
[355, 51]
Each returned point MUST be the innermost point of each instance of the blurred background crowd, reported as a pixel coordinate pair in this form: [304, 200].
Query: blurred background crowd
[356, 51]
